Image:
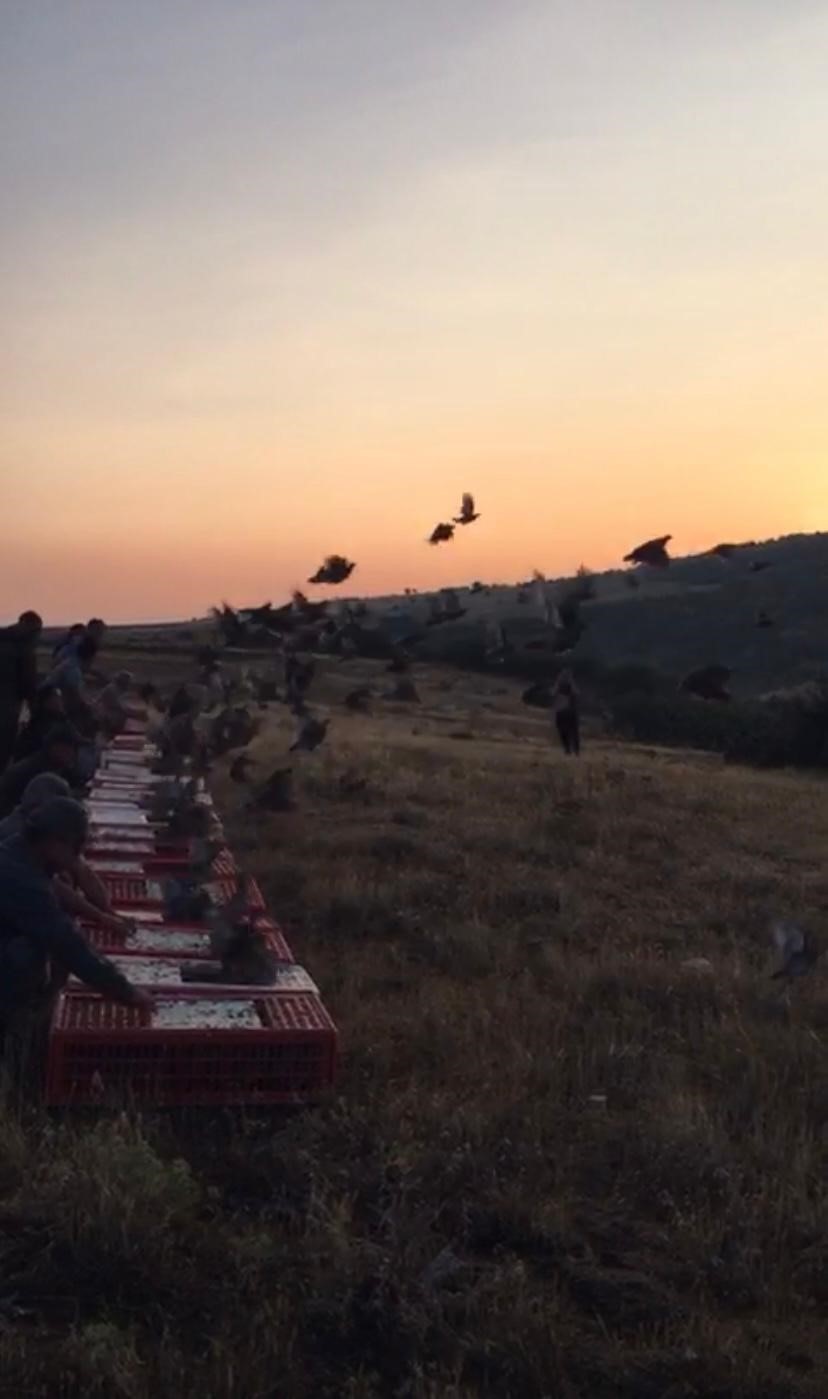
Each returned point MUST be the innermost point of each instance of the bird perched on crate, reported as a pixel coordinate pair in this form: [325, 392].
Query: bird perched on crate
[240, 768]
[185, 900]
[243, 952]
[441, 534]
[335, 569]
[360, 698]
[311, 733]
[467, 514]
[203, 851]
[798, 951]
[276, 794]
[653, 552]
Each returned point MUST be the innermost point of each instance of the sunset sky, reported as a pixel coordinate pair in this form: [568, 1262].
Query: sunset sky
[284, 277]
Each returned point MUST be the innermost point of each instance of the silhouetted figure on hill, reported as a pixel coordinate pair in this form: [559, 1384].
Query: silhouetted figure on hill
[567, 714]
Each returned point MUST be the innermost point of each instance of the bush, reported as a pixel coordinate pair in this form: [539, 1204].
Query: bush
[790, 732]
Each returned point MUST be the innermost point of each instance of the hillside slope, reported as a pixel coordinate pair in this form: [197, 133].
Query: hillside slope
[566, 1156]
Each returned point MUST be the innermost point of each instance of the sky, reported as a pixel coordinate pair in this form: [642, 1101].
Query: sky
[281, 279]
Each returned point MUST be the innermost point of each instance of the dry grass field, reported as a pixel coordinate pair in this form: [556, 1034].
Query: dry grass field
[565, 1157]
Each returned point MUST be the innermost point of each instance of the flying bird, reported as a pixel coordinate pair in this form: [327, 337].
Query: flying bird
[653, 552]
[311, 733]
[539, 695]
[335, 569]
[467, 514]
[276, 794]
[359, 698]
[797, 951]
[441, 534]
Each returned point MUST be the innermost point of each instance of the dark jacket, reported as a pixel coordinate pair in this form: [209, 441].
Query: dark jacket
[34, 931]
[18, 667]
[16, 779]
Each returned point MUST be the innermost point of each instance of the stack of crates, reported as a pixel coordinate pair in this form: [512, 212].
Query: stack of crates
[204, 1043]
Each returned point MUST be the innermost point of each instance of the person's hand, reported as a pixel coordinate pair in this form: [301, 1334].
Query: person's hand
[115, 924]
[140, 1000]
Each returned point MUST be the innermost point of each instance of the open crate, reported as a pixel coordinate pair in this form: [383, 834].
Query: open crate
[188, 941]
[250, 1047]
[162, 974]
[130, 890]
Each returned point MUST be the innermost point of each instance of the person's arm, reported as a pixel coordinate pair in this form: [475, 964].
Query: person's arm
[40, 916]
[77, 905]
[92, 886]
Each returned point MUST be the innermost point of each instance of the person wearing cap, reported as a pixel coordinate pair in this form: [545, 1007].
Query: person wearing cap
[58, 754]
[18, 677]
[79, 892]
[34, 930]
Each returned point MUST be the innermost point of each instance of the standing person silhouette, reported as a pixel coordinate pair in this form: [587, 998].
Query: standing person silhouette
[567, 714]
[18, 677]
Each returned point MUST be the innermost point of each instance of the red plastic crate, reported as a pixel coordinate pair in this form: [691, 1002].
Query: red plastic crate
[100, 1051]
[129, 742]
[128, 891]
[154, 941]
[137, 890]
[160, 973]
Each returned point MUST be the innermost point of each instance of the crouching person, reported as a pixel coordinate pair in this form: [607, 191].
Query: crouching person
[35, 932]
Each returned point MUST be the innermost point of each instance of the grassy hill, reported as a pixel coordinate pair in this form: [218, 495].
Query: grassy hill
[578, 1143]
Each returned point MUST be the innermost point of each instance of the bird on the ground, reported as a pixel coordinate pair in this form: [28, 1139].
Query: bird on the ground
[723, 551]
[335, 569]
[759, 565]
[352, 784]
[708, 682]
[632, 580]
[359, 698]
[764, 619]
[441, 533]
[311, 733]
[276, 794]
[240, 768]
[653, 552]
[797, 950]
[467, 514]
[539, 695]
